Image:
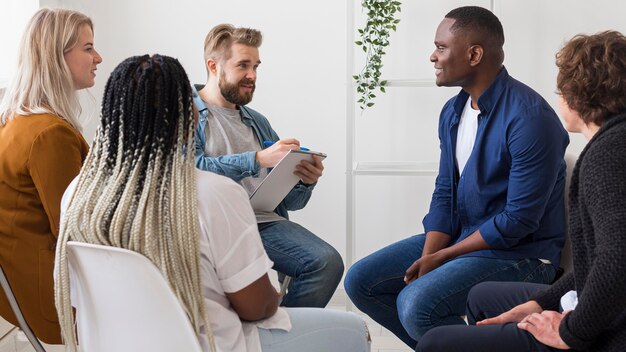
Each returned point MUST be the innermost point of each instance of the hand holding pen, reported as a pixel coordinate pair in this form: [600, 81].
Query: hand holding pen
[271, 155]
[270, 143]
[309, 172]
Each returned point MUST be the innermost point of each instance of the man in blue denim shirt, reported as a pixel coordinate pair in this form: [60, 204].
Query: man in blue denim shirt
[229, 142]
[497, 212]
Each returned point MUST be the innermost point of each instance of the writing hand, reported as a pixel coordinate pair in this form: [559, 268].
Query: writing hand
[422, 266]
[270, 156]
[514, 315]
[544, 327]
[309, 172]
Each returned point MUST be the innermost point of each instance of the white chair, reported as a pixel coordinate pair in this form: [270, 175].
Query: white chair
[124, 304]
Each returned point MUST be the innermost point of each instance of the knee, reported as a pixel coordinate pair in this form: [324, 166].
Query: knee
[413, 311]
[330, 262]
[355, 281]
[432, 341]
[475, 299]
[479, 290]
[335, 263]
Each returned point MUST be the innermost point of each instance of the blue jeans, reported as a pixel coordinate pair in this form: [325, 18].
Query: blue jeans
[375, 284]
[315, 330]
[487, 300]
[314, 265]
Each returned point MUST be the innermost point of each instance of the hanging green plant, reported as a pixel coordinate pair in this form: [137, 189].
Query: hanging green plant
[374, 38]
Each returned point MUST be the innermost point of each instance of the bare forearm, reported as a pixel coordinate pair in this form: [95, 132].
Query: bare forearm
[435, 241]
[271, 308]
[472, 243]
[436, 252]
[258, 300]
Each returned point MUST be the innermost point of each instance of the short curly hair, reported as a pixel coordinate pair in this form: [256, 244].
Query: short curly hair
[592, 75]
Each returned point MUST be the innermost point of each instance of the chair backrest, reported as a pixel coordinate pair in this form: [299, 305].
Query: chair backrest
[123, 303]
[566, 254]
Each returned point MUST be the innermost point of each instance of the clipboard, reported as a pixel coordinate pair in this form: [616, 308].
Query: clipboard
[279, 182]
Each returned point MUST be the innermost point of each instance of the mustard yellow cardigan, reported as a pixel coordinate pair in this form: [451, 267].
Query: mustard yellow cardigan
[39, 157]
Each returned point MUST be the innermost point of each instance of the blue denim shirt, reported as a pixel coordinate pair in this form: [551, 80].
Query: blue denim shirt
[239, 166]
[512, 186]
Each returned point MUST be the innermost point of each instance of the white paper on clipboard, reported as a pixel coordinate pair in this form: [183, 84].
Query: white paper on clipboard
[280, 180]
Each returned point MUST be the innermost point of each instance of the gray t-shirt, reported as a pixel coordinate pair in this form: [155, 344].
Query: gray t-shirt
[225, 134]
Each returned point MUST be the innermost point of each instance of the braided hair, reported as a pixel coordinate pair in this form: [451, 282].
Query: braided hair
[137, 189]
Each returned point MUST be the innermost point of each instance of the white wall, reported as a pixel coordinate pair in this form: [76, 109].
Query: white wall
[302, 84]
[14, 15]
[536, 29]
[301, 81]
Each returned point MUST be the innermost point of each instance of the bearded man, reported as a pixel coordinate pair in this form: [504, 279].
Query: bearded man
[237, 142]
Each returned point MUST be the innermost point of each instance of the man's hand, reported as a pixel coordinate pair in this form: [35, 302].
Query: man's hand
[514, 315]
[310, 172]
[424, 265]
[271, 155]
[545, 328]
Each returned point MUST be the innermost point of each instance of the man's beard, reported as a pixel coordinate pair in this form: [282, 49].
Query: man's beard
[230, 91]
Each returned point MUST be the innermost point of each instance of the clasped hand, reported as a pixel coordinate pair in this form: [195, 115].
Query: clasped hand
[529, 316]
[422, 266]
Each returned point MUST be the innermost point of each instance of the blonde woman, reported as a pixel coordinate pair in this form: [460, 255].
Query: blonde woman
[140, 190]
[41, 151]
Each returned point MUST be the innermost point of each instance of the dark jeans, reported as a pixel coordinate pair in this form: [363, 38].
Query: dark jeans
[487, 300]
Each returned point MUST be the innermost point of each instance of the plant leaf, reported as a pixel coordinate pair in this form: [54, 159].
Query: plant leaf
[374, 38]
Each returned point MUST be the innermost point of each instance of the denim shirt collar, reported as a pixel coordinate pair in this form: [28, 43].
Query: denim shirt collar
[487, 99]
[204, 111]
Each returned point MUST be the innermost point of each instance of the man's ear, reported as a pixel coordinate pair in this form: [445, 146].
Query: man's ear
[475, 54]
[212, 66]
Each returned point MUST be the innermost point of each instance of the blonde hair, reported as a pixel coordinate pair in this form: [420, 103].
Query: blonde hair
[43, 82]
[220, 39]
[137, 189]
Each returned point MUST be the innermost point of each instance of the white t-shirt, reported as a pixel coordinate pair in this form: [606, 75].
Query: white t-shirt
[231, 258]
[466, 134]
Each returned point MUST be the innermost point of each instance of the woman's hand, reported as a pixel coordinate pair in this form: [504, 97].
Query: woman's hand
[545, 328]
[514, 315]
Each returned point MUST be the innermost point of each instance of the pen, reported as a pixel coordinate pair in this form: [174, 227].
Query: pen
[270, 143]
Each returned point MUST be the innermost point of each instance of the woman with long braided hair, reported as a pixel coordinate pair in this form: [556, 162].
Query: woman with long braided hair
[135, 188]
[139, 190]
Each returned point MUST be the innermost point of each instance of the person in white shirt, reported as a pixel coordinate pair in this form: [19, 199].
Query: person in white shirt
[139, 190]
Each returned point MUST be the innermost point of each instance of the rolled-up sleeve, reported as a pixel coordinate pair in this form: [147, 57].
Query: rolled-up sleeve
[233, 239]
[536, 146]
